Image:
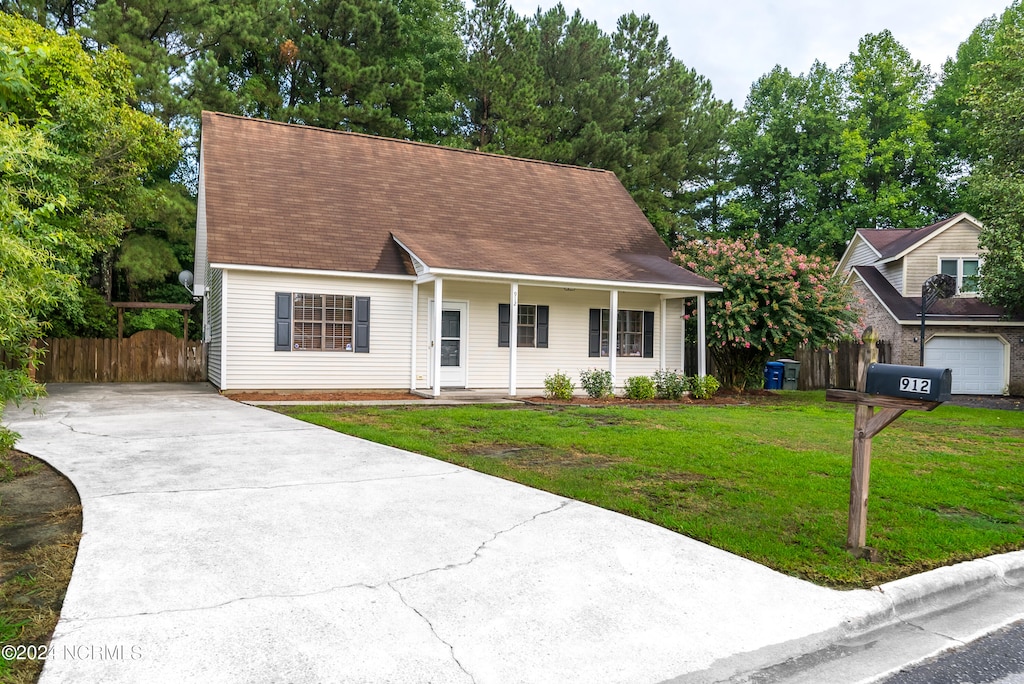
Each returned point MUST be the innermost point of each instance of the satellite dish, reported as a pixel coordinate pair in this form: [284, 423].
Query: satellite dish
[186, 280]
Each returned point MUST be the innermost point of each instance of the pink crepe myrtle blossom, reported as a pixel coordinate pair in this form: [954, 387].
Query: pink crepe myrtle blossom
[773, 300]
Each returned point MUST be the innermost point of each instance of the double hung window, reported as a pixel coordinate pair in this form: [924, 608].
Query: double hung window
[965, 270]
[633, 336]
[529, 327]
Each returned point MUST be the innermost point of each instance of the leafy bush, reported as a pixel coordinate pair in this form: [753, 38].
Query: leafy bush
[559, 385]
[597, 383]
[169, 320]
[774, 300]
[89, 315]
[670, 384]
[704, 388]
[639, 388]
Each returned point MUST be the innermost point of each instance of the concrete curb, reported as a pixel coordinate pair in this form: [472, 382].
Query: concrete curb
[948, 587]
[902, 601]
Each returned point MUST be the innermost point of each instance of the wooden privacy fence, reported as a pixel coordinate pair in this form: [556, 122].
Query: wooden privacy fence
[834, 368]
[146, 356]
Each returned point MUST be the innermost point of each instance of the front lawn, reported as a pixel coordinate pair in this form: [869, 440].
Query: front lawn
[767, 480]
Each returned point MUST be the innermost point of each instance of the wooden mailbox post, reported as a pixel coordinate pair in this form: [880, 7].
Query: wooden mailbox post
[929, 383]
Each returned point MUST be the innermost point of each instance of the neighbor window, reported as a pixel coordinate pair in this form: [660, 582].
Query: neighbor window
[965, 270]
[634, 333]
[321, 322]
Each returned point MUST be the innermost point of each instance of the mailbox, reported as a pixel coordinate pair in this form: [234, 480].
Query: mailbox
[909, 382]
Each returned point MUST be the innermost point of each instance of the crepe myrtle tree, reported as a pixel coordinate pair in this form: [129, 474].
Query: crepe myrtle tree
[774, 299]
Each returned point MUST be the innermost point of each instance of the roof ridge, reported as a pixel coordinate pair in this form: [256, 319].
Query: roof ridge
[507, 157]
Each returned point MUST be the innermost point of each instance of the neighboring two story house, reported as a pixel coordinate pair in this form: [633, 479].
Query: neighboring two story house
[983, 347]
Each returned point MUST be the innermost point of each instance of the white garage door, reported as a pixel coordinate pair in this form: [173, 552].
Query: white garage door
[976, 362]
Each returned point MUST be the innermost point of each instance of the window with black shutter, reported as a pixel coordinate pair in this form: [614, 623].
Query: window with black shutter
[320, 322]
[634, 333]
[531, 325]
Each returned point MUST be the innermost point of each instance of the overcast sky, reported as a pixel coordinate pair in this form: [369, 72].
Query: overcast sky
[735, 42]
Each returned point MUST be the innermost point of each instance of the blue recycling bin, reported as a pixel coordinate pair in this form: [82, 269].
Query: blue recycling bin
[773, 375]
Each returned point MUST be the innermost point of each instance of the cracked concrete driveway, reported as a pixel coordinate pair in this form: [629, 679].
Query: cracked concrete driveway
[224, 543]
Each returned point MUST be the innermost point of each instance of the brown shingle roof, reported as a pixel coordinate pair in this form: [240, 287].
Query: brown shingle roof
[882, 238]
[968, 309]
[298, 197]
[890, 242]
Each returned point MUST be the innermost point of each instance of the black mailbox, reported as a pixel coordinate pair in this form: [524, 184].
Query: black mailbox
[909, 382]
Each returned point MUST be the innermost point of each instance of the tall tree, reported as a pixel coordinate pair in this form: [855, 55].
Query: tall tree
[767, 141]
[74, 156]
[580, 92]
[997, 180]
[899, 177]
[503, 79]
[794, 165]
[434, 47]
[60, 15]
[673, 128]
[347, 72]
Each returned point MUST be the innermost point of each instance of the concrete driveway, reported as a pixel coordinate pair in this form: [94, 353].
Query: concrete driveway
[225, 543]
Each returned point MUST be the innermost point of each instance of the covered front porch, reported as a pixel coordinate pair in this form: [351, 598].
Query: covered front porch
[506, 333]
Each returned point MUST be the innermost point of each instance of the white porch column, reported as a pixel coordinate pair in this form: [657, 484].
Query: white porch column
[662, 337]
[613, 332]
[702, 344]
[412, 346]
[435, 343]
[682, 337]
[513, 337]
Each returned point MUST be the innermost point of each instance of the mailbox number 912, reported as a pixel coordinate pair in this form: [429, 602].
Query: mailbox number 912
[919, 385]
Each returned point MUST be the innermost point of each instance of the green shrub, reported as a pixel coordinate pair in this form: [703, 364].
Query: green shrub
[704, 388]
[169, 320]
[670, 384]
[639, 388]
[597, 383]
[559, 385]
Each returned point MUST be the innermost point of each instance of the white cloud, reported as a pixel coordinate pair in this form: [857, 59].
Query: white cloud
[734, 42]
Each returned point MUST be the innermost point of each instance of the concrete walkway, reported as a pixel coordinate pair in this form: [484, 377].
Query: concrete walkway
[226, 543]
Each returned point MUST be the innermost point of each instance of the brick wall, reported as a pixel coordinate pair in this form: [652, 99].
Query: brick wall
[874, 315]
[906, 347]
[912, 353]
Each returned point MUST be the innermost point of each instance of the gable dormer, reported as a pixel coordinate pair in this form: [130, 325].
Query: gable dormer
[949, 246]
[907, 258]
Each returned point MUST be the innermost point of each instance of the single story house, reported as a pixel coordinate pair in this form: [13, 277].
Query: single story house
[981, 344]
[333, 260]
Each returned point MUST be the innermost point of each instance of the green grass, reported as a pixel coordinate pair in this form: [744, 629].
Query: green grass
[768, 481]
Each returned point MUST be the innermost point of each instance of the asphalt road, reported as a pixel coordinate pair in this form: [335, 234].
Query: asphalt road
[995, 659]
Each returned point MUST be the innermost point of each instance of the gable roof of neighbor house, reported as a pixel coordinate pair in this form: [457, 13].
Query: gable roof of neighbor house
[892, 244]
[289, 196]
[912, 239]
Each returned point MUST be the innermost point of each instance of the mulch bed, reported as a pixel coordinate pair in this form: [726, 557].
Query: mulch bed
[722, 398]
[314, 395]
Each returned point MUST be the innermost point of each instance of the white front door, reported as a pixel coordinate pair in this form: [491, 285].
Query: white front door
[453, 343]
[978, 363]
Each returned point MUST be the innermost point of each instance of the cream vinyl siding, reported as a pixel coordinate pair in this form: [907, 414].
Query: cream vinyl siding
[252, 362]
[960, 240]
[894, 274]
[862, 254]
[568, 330]
[214, 310]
